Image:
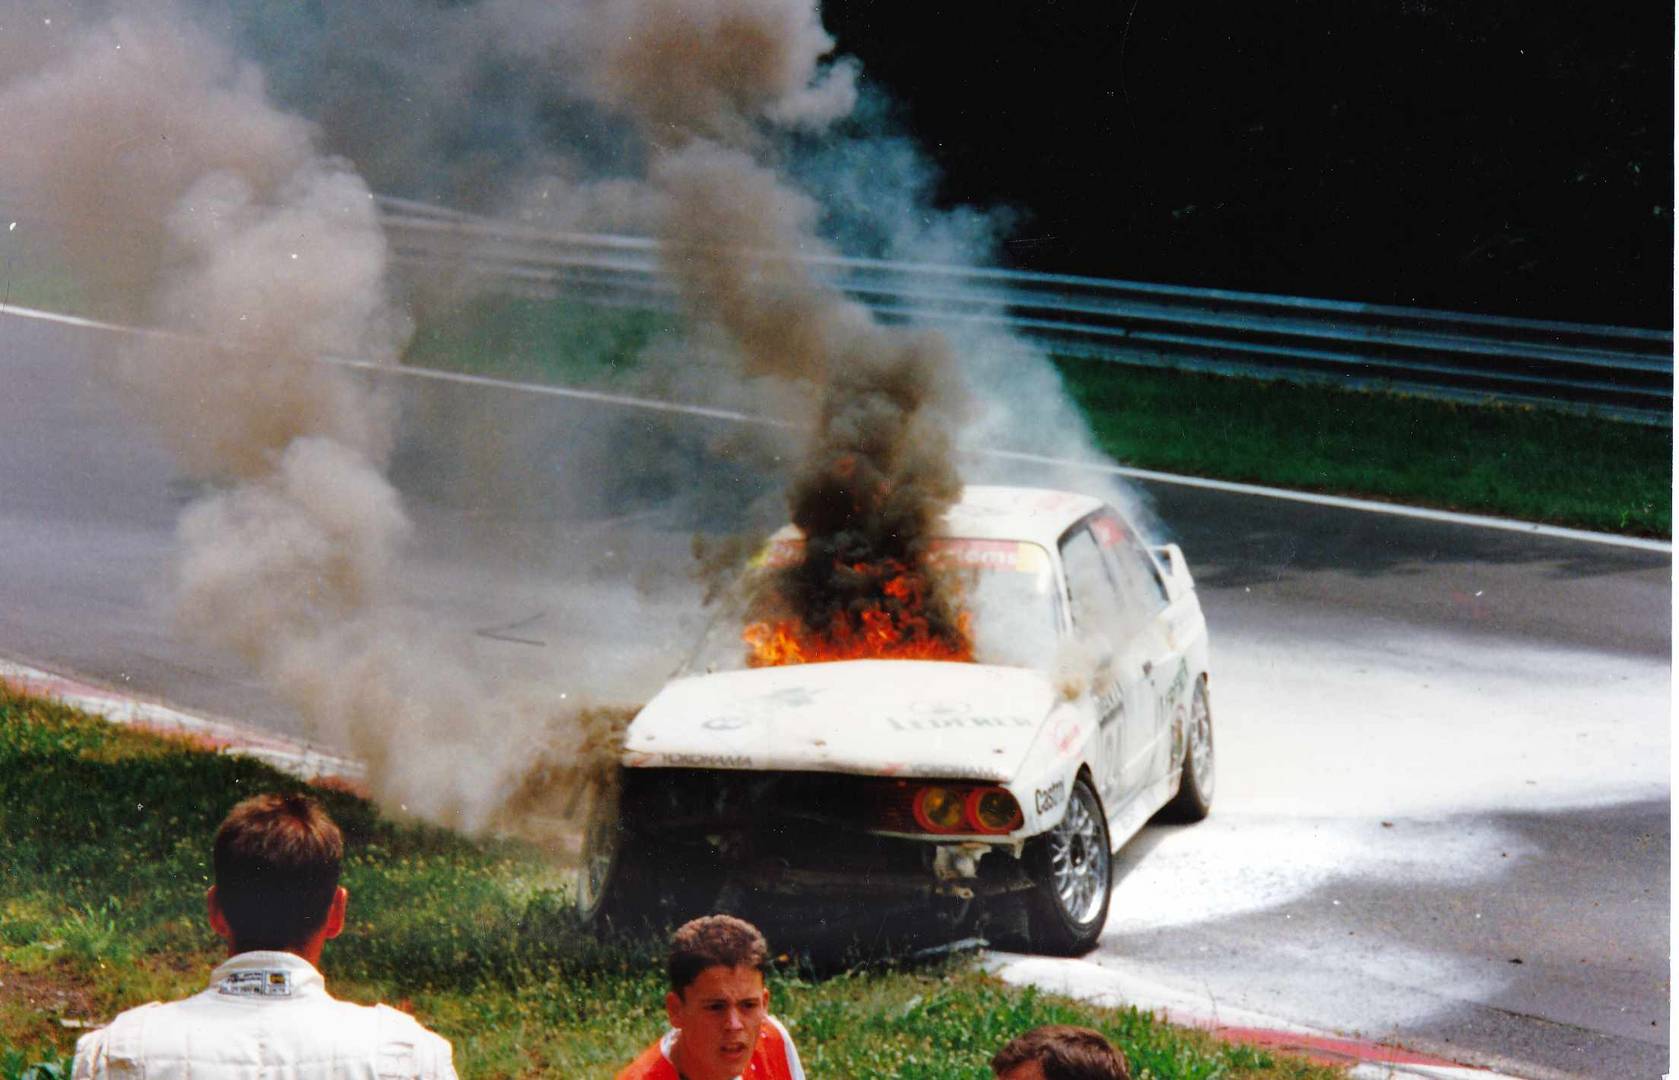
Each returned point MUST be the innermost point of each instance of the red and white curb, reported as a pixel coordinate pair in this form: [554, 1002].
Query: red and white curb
[291, 756]
[1364, 1059]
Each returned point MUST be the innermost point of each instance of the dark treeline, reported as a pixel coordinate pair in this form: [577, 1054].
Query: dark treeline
[1501, 156]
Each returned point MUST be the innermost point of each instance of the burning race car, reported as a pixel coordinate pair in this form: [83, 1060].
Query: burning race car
[988, 755]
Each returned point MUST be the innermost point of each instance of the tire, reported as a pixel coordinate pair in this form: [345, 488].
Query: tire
[1072, 871]
[1195, 788]
[630, 883]
[612, 884]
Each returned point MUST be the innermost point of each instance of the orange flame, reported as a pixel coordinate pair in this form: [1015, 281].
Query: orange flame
[892, 629]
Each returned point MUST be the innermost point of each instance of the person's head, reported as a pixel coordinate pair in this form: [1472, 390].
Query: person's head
[1060, 1052]
[277, 860]
[717, 997]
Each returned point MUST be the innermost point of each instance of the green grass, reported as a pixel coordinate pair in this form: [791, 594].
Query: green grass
[1510, 461]
[521, 338]
[101, 891]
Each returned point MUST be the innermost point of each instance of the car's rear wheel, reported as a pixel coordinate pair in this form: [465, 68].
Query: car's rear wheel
[630, 882]
[1072, 878]
[612, 880]
[1194, 800]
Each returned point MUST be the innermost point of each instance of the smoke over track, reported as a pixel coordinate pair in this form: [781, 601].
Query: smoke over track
[174, 185]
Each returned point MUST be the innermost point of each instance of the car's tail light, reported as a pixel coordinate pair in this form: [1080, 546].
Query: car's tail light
[993, 810]
[939, 809]
[909, 806]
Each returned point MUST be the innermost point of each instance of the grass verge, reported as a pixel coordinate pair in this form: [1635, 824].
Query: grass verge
[101, 892]
[1510, 461]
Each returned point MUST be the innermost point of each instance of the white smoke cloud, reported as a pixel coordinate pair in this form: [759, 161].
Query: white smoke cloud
[175, 185]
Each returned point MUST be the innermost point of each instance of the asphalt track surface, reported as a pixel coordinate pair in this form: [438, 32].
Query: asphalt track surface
[1443, 807]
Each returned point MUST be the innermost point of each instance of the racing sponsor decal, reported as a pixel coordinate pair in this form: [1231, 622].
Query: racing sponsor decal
[1017, 556]
[946, 723]
[680, 760]
[1047, 799]
[961, 772]
[256, 984]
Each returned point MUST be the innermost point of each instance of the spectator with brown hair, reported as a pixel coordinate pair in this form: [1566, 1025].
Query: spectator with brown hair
[1060, 1052]
[276, 902]
[718, 1006]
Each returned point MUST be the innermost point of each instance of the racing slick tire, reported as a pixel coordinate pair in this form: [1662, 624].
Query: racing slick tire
[1194, 800]
[1072, 873]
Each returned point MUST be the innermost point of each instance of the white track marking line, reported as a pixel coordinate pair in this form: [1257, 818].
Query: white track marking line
[68, 320]
[1340, 502]
[560, 391]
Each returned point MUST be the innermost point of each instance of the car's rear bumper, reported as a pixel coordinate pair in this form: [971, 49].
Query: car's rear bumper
[793, 835]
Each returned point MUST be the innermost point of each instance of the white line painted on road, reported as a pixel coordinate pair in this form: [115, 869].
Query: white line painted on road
[1341, 502]
[69, 320]
[561, 391]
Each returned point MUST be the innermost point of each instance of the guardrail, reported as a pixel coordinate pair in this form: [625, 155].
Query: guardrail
[1618, 371]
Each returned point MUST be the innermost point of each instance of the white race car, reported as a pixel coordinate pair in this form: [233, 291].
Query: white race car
[1007, 780]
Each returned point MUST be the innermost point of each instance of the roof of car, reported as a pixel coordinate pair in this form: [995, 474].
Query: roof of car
[988, 512]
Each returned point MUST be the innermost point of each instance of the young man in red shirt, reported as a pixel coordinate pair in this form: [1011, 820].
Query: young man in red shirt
[720, 1026]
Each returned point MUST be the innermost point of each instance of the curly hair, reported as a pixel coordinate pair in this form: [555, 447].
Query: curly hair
[714, 941]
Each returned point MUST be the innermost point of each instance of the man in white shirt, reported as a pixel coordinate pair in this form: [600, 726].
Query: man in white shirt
[266, 1012]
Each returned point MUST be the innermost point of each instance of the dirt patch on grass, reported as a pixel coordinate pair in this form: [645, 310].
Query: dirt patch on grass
[49, 1006]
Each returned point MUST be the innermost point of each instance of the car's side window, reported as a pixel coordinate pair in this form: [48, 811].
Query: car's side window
[1138, 577]
[1095, 603]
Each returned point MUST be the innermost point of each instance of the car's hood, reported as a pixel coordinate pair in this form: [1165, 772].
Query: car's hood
[873, 717]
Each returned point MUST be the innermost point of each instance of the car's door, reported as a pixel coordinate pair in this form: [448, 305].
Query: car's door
[1125, 702]
[1145, 599]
